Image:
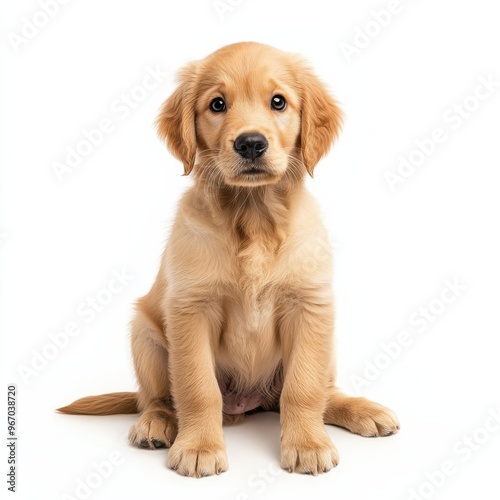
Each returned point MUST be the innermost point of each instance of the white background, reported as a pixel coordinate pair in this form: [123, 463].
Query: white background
[61, 240]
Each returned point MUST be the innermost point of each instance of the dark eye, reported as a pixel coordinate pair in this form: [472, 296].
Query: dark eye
[218, 105]
[278, 103]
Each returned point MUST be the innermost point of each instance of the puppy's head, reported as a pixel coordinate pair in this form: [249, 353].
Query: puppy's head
[249, 115]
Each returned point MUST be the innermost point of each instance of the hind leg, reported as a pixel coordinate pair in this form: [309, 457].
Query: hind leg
[156, 426]
[359, 415]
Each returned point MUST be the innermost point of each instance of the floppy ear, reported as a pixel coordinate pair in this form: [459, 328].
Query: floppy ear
[321, 120]
[176, 122]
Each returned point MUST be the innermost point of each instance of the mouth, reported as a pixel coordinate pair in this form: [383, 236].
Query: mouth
[254, 175]
[253, 171]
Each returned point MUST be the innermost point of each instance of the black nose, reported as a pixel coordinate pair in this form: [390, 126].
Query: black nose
[250, 146]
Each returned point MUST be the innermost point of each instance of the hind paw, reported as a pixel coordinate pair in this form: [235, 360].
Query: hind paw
[153, 430]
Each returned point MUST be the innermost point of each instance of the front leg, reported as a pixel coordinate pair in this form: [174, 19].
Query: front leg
[306, 329]
[199, 449]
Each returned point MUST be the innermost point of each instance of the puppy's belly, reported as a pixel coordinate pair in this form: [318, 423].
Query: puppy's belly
[239, 399]
[235, 403]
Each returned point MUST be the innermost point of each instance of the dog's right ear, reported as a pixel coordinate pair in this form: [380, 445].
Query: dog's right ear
[176, 122]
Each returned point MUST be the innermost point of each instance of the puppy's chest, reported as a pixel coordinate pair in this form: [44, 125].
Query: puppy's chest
[249, 345]
[255, 265]
[248, 335]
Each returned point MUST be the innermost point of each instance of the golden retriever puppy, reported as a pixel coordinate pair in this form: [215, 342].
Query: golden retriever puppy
[241, 315]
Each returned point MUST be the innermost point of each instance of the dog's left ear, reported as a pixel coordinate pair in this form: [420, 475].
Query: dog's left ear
[321, 120]
[176, 122]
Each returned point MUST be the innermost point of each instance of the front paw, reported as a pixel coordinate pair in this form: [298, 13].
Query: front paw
[197, 459]
[309, 456]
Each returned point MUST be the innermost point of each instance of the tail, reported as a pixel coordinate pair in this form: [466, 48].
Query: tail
[105, 404]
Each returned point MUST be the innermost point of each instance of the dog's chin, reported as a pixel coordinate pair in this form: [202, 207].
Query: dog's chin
[252, 178]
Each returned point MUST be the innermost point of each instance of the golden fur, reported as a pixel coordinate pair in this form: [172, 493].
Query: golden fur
[241, 312]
